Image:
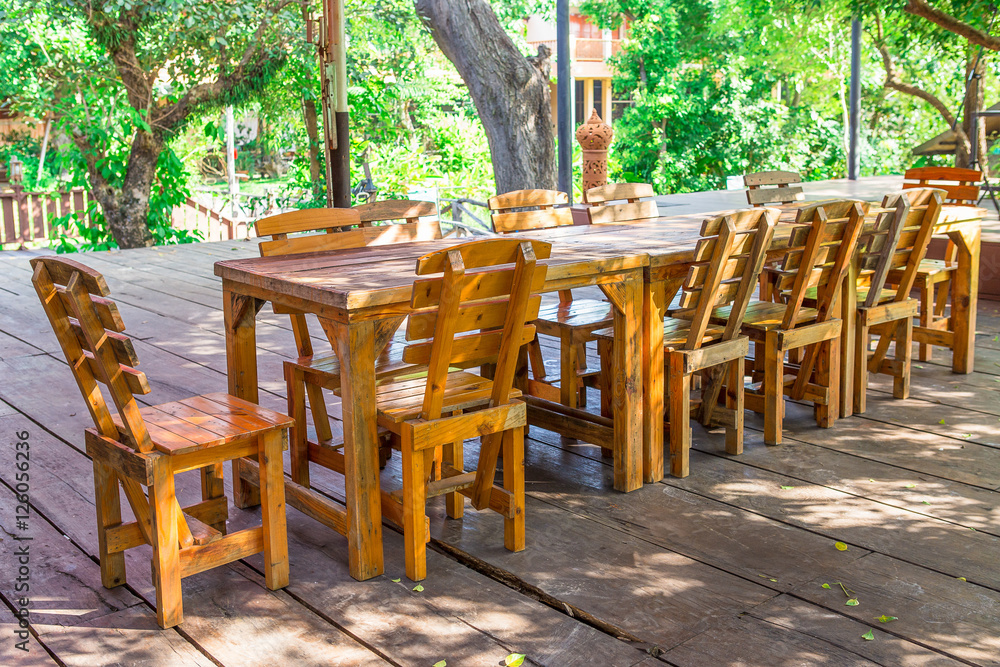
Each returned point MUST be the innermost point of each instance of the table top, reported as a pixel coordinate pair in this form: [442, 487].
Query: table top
[375, 276]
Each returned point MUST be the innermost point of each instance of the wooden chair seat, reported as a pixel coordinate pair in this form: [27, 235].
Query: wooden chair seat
[764, 315]
[399, 400]
[884, 296]
[201, 422]
[580, 314]
[676, 331]
[929, 267]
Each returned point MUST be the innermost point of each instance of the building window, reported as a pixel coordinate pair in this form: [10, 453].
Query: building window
[599, 97]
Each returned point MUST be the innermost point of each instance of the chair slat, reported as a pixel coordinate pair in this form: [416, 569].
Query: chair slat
[485, 284]
[619, 192]
[307, 220]
[527, 198]
[545, 218]
[395, 209]
[498, 251]
[470, 317]
[630, 212]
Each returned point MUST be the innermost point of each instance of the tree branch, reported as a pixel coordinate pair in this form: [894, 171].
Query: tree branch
[952, 24]
[893, 82]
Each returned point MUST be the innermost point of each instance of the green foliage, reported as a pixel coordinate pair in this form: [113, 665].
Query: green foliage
[723, 87]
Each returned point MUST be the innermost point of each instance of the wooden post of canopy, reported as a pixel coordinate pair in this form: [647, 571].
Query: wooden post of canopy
[333, 96]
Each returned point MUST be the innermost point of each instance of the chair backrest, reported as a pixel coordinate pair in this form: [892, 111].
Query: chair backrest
[91, 333]
[900, 239]
[784, 193]
[395, 209]
[324, 229]
[636, 203]
[728, 259]
[821, 248]
[476, 312]
[960, 185]
[529, 209]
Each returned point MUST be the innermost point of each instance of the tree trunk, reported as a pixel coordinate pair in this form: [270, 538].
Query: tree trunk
[973, 104]
[312, 131]
[510, 91]
[127, 211]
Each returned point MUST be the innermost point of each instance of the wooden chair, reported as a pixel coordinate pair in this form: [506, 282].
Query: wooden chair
[728, 260]
[473, 314]
[146, 447]
[821, 248]
[897, 244]
[636, 203]
[332, 229]
[571, 321]
[934, 275]
[784, 193]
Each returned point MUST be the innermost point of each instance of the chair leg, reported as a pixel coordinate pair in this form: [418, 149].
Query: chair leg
[568, 388]
[414, 509]
[774, 388]
[904, 353]
[299, 446]
[109, 513]
[166, 548]
[734, 402]
[513, 482]
[272, 508]
[828, 375]
[604, 350]
[213, 486]
[861, 366]
[581, 365]
[454, 455]
[941, 300]
[317, 405]
[927, 312]
[536, 360]
[679, 411]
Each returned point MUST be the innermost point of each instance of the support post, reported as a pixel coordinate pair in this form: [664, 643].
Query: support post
[853, 159]
[336, 119]
[564, 129]
[234, 184]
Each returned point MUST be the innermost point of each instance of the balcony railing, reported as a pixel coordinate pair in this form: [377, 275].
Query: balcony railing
[585, 49]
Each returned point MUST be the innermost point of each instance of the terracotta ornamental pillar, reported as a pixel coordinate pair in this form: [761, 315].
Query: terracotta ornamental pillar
[595, 137]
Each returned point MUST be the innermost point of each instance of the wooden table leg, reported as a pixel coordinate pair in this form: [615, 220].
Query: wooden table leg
[627, 298]
[355, 347]
[240, 317]
[965, 297]
[654, 309]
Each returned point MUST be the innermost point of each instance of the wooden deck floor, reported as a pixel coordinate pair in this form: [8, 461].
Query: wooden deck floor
[725, 567]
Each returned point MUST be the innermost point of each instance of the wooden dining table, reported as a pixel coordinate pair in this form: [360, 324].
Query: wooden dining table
[361, 296]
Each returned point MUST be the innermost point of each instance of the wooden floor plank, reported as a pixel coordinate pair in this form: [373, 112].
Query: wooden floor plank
[943, 613]
[72, 613]
[786, 611]
[33, 655]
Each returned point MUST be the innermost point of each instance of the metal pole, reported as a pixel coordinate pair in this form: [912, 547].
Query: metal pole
[563, 91]
[234, 184]
[340, 159]
[853, 159]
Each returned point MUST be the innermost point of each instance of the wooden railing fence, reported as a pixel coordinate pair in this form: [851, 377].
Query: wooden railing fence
[26, 217]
